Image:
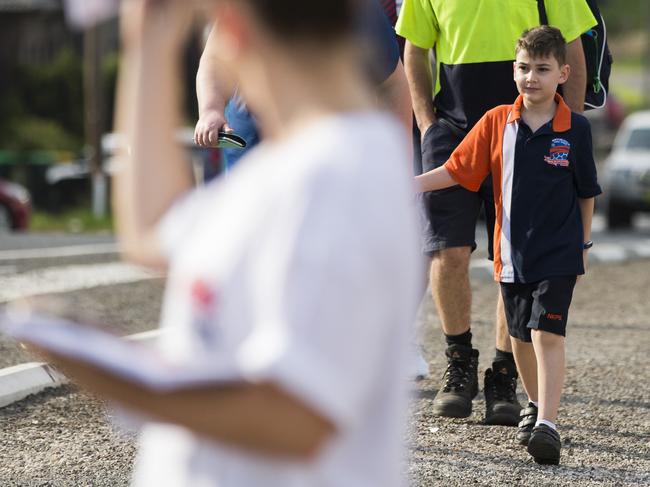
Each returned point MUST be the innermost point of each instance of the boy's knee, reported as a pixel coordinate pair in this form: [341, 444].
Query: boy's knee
[546, 338]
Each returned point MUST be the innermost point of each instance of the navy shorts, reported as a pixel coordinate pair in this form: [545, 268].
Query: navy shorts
[449, 215]
[542, 305]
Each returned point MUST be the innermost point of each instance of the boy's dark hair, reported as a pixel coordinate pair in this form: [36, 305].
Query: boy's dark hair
[543, 41]
[305, 20]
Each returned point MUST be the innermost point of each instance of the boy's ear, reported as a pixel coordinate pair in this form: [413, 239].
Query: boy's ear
[565, 71]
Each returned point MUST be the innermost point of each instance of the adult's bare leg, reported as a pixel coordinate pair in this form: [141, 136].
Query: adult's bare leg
[451, 292]
[450, 289]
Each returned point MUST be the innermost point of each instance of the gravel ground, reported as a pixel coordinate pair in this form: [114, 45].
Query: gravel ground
[63, 438]
[125, 309]
[605, 412]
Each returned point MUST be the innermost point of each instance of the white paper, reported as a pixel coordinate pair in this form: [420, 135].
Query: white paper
[133, 361]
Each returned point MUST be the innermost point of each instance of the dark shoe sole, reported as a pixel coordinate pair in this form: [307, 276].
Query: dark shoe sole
[451, 411]
[502, 419]
[544, 452]
[523, 439]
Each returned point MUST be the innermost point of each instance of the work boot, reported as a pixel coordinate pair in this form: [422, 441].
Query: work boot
[459, 383]
[500, 387]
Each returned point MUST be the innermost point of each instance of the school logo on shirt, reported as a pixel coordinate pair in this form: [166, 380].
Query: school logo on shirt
[558, 153]
[204, 301]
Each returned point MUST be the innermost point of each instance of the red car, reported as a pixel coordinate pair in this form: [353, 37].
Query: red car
[15, 207]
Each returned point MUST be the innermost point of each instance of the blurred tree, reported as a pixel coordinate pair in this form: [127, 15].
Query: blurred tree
[622, 16]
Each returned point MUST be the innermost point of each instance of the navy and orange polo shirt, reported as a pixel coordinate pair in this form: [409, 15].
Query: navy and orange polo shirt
[474, 43]
[537, 180]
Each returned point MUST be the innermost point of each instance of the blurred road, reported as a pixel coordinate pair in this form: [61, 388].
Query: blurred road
[64, 437]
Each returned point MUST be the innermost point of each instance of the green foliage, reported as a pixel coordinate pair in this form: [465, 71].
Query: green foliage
[78, 220]
[42, 107]
[33, 133]
[624, 16]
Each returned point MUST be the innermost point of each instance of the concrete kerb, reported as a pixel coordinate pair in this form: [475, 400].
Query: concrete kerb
[19, 381]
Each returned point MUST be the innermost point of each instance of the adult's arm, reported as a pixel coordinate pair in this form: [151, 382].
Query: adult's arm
[395, 96]
[213, 89]
[575, 87]
[420, 80]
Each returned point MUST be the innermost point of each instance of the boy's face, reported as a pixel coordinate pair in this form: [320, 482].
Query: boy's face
[537, 78]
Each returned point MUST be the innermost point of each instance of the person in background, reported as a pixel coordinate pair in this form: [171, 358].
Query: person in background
[544, 180]
[472, 42]
[222, 108]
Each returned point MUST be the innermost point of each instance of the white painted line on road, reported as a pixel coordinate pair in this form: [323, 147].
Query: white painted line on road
[7, 269]
[608, 253]
[20, 381]
[641, 249]
[70, 278]
[57, 252]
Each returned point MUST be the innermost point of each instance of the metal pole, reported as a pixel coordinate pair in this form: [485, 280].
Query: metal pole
[93, 94]
[645, 63]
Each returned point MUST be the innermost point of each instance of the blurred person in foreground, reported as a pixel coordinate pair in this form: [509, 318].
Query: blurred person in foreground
[222, 108]
[292, 279]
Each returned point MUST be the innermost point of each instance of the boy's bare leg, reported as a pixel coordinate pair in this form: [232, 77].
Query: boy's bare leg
[549, 350]
[527, 366]
[502, 335]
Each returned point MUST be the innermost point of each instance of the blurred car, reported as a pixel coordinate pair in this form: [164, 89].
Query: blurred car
[627, 171]
[206, 163]
[15, 207]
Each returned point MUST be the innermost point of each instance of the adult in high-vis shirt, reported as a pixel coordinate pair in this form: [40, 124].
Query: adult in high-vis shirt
[472, 41]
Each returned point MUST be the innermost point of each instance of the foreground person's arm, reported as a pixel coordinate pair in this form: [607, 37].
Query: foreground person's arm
[153, 170]
[257, 417]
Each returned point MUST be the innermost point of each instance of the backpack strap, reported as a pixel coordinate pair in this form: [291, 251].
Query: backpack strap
[541, 8]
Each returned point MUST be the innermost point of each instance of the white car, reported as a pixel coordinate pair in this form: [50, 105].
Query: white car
[627, 171]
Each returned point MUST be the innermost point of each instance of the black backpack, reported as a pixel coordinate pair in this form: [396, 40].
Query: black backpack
[597, 56]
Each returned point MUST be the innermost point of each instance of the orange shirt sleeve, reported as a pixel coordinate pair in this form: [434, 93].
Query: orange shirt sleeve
[470, 163]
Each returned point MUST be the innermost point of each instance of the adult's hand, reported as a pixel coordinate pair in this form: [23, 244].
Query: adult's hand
[207, 129]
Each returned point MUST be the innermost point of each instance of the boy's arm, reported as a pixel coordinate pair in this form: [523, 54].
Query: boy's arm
[587, 212]
[468, 165]
[438, 178]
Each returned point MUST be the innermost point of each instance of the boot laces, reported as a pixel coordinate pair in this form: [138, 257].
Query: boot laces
[456, 376]
[503, 387]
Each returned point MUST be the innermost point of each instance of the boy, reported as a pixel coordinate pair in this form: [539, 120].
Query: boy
[544, 177]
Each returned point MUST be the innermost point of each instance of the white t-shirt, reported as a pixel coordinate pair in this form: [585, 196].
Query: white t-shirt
[302, 268]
